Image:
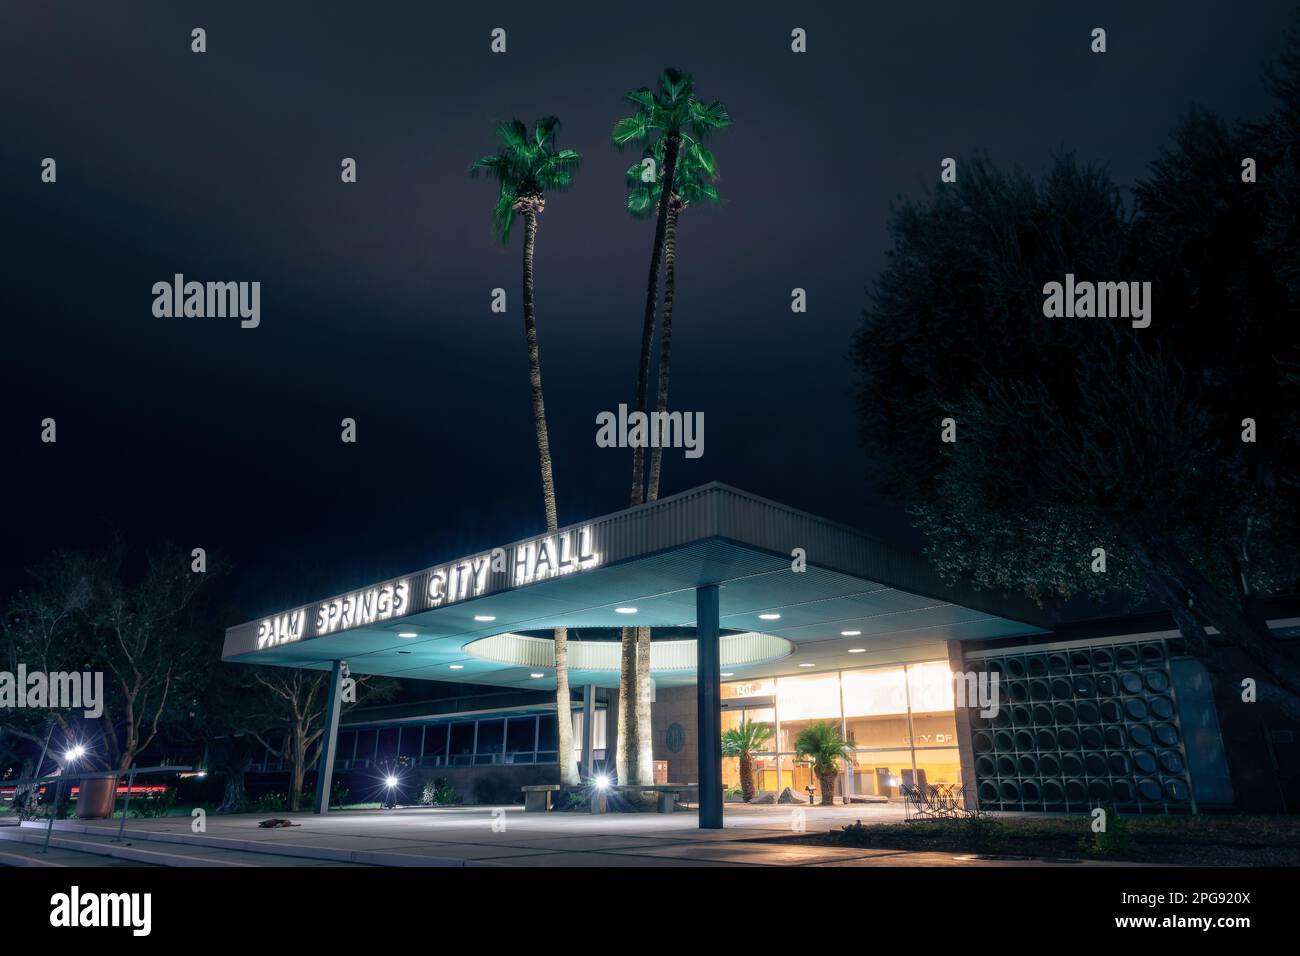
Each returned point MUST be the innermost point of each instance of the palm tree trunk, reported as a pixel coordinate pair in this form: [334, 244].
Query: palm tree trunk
[651, 301]
[569, 773]
[747, 776]
[645, 759]
[665, 337]
[625, 755]
[632, 683]
[535, 374]
[563, 706]
[827, 781]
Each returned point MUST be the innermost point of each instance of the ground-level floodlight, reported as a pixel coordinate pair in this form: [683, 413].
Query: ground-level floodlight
[602, 782]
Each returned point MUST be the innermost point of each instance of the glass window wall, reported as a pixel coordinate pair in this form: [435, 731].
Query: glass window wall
[899, 719]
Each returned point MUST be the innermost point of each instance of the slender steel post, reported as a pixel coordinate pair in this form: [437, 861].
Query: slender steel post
[708, 692]
[54, 808]
[325, 768]
[126, 807]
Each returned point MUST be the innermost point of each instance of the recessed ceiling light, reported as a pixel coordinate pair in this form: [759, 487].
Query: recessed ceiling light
[807, 665]
[728, 674]
[403, 652]
[770, 617]
[407, 634]
[857, 650]
[536, 676]
[624, 610]
[485, 617]
[456, 667]
[850, 633]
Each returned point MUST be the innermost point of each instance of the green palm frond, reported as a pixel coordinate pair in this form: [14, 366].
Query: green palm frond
[673, 112]
[642, 97]
[513, 135]
[692, 184]
[630, 129]
[706, 117]
[748, 738]
[822, 744]
[525, 164]
[544, 131]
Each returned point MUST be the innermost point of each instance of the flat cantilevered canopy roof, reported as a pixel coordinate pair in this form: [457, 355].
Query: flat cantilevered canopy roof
[465, 620]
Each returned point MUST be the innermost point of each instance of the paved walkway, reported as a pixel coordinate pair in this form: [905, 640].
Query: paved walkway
[467, 836]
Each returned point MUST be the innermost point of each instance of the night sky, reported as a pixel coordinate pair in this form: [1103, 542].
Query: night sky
[375, 296]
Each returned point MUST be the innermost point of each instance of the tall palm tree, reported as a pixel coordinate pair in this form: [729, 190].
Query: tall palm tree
[692, 184]
[822, 744]
[743, 742]
[666, 121]
[526, 167]
[675, 116]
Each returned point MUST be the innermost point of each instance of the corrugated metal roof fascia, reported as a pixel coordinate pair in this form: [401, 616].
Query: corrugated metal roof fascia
[717, 510]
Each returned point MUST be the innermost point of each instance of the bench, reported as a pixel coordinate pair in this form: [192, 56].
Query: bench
[537, 798]
[666, 794]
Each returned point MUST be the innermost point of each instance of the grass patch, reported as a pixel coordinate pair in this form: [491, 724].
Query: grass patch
[1187, 840]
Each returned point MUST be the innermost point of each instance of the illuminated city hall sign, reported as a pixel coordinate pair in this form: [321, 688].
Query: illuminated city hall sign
[527, 563]
[363, 607]
[280, 630]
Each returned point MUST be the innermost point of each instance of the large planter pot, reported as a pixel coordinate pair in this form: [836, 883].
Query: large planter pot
[96, 798]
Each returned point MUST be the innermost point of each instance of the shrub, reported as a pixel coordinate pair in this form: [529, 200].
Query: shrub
[571, 801]
[438, 793]
[158, 806]
[271, 801]
[1115, 841]
[978, 832]
[853, 834]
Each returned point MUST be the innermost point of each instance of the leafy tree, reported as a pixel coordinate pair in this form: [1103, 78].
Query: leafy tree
[286, 715]
[664, 121]
[134, 621]
[1080, 434]
[822, 744]
[526, 166]
[743, 742]
[224, 714]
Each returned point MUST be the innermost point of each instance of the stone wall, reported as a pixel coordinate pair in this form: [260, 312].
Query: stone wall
[676, 735]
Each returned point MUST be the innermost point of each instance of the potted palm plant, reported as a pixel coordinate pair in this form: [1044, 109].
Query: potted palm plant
[743, 742]
[822, 744]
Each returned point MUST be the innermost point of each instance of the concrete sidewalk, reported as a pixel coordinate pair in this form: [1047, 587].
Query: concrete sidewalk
[501, 836]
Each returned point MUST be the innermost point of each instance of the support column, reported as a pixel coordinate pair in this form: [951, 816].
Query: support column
[965, 750]
[329, 738]
[588, 768]
[708, 691]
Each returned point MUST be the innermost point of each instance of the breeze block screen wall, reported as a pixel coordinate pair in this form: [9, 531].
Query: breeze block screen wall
[1082, 727]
